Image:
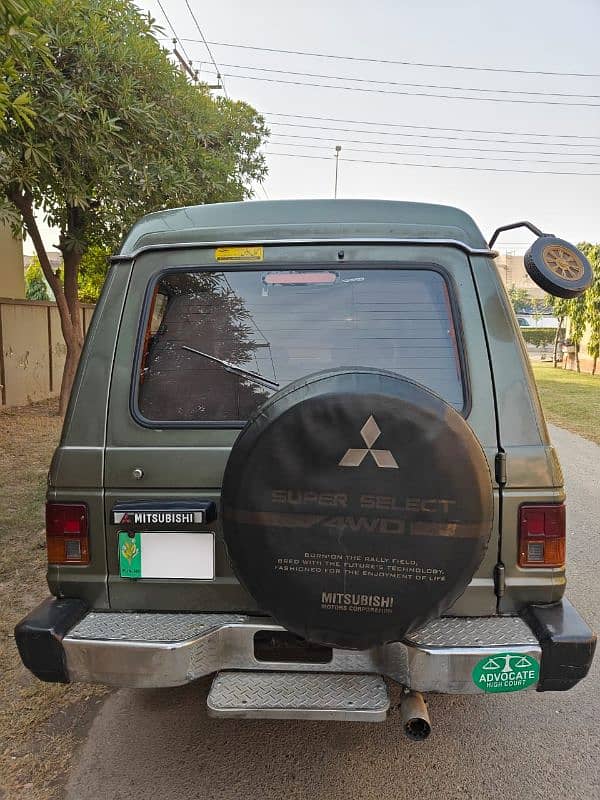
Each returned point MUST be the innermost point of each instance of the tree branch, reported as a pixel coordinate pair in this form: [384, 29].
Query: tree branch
[71, 261]
[24, 203]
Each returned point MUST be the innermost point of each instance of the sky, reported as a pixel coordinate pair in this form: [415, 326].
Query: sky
[549, 124]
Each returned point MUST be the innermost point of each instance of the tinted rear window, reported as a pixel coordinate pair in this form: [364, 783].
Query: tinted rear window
[282, 325]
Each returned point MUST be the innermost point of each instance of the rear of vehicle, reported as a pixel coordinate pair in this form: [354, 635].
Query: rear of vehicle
[392, 510]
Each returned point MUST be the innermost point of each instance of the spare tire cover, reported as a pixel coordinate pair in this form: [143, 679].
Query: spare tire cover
[356, 505]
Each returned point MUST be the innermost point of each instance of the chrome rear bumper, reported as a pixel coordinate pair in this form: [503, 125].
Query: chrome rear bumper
[158, 650]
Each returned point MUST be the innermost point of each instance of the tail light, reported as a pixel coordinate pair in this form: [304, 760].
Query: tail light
[299, 278]
[542, 534]
[67, 536]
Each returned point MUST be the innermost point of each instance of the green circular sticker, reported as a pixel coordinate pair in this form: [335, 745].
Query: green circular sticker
[506, 672]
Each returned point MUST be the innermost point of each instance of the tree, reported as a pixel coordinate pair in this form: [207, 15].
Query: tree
[118, 132]
[92, 272]
[560, 308]
[578, 319]
[538, 307]
[35, 285]
[582, 311]
[519, 298]
[592, 297]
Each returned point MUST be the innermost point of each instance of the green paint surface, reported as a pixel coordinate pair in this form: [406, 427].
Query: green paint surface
[506, 672]
[130, 555]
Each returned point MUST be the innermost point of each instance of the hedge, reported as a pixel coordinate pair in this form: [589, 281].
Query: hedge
[539, 336]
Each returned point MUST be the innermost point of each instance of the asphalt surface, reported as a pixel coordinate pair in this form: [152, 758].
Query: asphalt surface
[161, 744]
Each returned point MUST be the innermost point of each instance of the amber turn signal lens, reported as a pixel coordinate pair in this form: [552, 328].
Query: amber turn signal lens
[542, 535]
[67, 537]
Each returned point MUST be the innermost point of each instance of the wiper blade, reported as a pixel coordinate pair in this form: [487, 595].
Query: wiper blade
[246, 373]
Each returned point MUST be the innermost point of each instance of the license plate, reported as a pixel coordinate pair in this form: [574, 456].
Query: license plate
[162, 554]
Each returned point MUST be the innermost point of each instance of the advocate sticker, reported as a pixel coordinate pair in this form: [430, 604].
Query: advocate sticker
[239, 254]
[130, 555]
[506, 672]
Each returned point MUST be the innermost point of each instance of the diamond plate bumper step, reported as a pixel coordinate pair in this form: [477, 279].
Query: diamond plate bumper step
[299, 695]
[157, 649]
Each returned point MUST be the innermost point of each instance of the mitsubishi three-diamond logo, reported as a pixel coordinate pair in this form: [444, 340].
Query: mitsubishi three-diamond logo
[370, 432]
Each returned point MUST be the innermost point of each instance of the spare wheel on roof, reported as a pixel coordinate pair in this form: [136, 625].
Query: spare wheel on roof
[356, 505]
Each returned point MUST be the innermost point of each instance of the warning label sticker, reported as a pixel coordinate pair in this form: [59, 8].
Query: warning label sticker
[506, 672]
[239, 254]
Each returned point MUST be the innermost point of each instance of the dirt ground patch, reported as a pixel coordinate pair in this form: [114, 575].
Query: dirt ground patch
[40, 723]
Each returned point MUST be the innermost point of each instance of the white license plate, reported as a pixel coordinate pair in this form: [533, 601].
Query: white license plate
[162, 554]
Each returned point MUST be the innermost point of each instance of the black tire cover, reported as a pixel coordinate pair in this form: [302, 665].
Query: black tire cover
[356, 505]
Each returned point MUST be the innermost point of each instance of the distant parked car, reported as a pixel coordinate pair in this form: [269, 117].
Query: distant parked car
[529, 321]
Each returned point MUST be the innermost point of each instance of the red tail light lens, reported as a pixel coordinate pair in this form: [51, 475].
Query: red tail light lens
[542, 535]
[67, 537]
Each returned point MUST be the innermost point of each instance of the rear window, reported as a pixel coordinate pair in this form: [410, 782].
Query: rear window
[218, 344]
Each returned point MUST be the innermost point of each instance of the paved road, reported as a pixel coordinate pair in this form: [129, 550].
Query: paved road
[161, 744]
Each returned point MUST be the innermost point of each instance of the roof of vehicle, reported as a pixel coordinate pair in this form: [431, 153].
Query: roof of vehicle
[258, 221]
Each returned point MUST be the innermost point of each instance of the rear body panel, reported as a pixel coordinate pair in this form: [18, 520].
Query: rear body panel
[103, 445]
[77, 469]
[532, 468]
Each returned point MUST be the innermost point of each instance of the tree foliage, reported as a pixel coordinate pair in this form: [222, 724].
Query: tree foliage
[592, 297]
[583, 312]
[35, 285]
[538, 307]
[19, 35]
[578, 319]
[92, 272]
[519, 298]
[117, 132]
[559, 306]
[560, 309]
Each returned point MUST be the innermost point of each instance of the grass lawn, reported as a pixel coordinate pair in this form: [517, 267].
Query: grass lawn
[570, 399]
[40, 723]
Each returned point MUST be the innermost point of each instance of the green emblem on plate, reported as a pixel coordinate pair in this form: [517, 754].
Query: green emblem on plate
[130, 555]
[506, 672]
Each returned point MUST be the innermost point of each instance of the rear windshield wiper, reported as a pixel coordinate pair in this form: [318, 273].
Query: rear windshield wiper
[246, 373]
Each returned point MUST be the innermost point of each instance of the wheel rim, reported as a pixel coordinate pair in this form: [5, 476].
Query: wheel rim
[563, 262]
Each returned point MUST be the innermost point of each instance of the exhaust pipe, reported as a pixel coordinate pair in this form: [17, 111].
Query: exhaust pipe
[415, 718]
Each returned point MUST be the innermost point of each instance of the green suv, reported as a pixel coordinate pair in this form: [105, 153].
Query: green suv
[305, 452]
